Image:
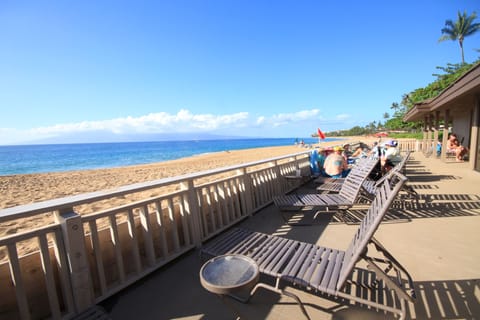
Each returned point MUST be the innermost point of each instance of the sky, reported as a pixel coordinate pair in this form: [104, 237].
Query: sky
[96, 70]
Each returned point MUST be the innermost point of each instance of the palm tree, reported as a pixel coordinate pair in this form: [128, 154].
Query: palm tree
[458, 30]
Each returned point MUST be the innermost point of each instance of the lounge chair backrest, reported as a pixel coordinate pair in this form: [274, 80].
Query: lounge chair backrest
[370, 186]
[397, 168]
[401, 165]
[384, 196]
[353, 182]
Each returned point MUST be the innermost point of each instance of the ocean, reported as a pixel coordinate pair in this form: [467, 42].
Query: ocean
[24, 159]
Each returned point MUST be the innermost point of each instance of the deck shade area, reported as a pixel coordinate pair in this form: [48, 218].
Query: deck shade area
[458, 106]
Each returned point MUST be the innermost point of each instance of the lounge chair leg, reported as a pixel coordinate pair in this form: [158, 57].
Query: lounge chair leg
[403, 308]
[282, 292]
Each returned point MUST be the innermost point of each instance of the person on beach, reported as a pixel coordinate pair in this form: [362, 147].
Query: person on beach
[347, 153]
[336, 165]
[361, 152]
[439, 148]
[376, 151]
[454, 146]
[321, 161]
[357, 153]
[391, 156]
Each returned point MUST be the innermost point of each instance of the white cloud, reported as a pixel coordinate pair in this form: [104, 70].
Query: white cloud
[162, 122]
[342, 116]
[182, 121]
[260, 120]
[283, 119]
[296, 116]
[14, 136]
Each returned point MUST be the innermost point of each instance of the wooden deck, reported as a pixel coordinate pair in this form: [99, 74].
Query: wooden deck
[436, 239]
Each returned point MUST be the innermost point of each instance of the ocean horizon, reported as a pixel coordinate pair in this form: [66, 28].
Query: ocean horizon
[38, 158]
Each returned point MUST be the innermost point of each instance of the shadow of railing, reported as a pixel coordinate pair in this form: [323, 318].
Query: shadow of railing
[447, 299]
[426, 177]
[457, 206]
[423, 186]
[451, 197]
[405, 209]
[436, 300]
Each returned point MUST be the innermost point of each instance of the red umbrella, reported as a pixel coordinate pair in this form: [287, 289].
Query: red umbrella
[321, 135]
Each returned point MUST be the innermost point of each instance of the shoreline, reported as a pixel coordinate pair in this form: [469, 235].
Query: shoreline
[32, 159]
[36, 187]
[20, 189]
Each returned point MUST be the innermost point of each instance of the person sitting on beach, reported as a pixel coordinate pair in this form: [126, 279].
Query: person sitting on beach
[453, 146]
[335, 164]
[439, 148]
[321, 161]
[391, 155]
[347, 153]
[376, 151]
[357, 153]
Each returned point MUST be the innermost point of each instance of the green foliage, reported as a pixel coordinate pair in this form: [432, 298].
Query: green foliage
[394, 124]
[452, 73]
[405, 135]
[355, 131]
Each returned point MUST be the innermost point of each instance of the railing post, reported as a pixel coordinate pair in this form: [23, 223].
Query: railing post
[474, 152]
[446, 124]
[278, 176]
[436, 133]
[74, 238]
[193, 210]
[425, 135]
[247, 182]
[297, 163]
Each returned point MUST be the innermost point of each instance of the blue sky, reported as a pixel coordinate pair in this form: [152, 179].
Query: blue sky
[239, 68]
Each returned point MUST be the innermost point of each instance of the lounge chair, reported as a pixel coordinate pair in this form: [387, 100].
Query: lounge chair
[329, 271]
[346, 197]
[334, 185]
[370, 186]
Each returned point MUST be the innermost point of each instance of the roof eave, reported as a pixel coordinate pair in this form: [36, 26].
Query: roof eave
[469, 81]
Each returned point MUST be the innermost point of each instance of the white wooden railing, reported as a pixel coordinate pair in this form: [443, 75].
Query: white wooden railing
[408, 145]
[427, 146]
[80, 260]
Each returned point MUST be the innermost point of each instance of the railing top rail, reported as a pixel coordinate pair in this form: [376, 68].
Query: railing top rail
[65, 203]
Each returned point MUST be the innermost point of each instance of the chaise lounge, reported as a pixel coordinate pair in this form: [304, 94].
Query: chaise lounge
[341, 201]
[329, 271]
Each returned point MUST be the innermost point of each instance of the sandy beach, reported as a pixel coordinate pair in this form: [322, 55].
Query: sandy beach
[30, 188]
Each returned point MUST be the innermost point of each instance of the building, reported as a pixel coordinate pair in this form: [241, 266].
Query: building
[458, 106]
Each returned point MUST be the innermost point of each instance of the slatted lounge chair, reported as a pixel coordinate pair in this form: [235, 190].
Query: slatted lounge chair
[370, 186]
[346, 197]
[328, 271]
[323, 180]
[334, 185]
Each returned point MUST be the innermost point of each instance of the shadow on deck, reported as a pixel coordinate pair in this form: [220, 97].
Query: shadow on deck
[445, 269]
